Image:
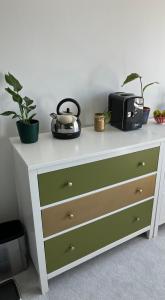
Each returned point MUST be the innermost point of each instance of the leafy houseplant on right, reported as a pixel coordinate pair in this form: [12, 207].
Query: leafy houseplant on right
[133, 76]
[28, 128]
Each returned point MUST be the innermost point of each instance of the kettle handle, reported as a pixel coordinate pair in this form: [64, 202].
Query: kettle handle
[69, 100]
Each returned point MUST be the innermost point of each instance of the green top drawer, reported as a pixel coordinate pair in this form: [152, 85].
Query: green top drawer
[61, 184]
[77, 243]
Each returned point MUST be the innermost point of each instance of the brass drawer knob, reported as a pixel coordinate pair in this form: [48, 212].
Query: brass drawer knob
[142, 163]
[139, 190]
[70, 183]
[72, 248]
[138, 219]
[71, 216]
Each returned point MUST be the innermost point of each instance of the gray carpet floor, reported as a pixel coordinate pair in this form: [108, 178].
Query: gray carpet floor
[134, 270]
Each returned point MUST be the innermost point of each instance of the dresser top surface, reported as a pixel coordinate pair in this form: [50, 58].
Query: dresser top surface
[50, 151]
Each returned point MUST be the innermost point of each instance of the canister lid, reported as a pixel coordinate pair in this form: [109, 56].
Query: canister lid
[11, 230]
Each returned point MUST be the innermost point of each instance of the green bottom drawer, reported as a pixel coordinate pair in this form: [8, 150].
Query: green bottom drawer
[77, 243]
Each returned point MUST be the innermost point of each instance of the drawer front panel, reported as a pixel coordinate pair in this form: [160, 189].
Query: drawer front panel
[61, 217]
[77, 243]
[62, 184]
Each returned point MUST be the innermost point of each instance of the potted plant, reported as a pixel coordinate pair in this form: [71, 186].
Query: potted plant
[133, 76]
[159, 116]
[28, 128]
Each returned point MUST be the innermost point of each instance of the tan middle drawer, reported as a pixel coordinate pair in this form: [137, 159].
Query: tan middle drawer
[63, 216]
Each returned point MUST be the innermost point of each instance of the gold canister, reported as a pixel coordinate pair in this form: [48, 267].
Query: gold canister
[99, 122]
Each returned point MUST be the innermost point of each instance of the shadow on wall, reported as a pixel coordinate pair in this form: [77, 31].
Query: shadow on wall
[94, 104]
[7, 185]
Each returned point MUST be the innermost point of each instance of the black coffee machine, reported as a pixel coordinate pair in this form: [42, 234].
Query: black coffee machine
[126, 111]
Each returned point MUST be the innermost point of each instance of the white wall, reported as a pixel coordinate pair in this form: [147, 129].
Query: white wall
[80, 49]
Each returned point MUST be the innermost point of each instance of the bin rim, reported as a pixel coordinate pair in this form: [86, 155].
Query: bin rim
[11, 230]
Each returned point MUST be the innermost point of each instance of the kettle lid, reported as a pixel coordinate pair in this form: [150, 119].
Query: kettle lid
[67, 112]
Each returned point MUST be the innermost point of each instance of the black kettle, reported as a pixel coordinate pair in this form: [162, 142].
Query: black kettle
[66, 125]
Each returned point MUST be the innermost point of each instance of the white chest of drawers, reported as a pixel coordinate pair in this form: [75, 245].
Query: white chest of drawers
[71, 191]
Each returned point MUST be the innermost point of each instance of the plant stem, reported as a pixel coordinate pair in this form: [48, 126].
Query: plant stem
[141, 85]
[21, 112]
[21, 109]
[26, 112]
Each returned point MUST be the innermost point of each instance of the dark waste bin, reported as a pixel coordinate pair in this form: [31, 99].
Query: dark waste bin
[13, 251]
[9, 290]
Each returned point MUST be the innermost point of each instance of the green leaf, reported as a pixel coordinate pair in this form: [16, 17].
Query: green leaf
[8, 113]
[107, 116]
[131, 77]
[32, 116]
[147, 85]
[15, 116]
[32, 107]
[28, 101]
[11, 80]
[11, 92]
[17, 98]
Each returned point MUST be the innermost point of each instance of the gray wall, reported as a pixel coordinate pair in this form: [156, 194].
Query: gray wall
[81, 49]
